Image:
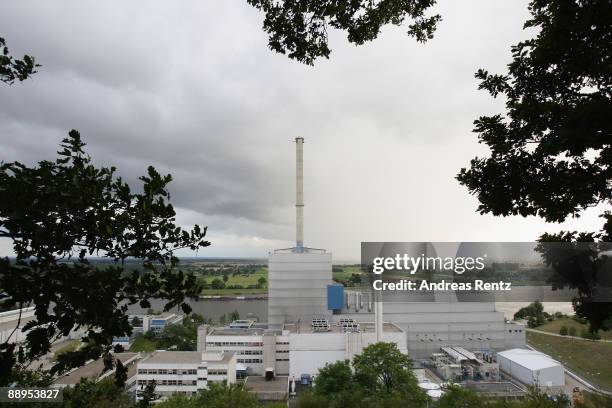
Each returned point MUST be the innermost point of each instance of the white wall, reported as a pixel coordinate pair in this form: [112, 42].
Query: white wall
[297, 286]
[308, 362]
[546, 377]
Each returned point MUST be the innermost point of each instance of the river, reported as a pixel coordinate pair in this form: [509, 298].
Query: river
[215, 308]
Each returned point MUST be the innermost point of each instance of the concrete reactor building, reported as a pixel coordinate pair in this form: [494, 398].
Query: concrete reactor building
[313, 321]
[301, 290]
[298, 276]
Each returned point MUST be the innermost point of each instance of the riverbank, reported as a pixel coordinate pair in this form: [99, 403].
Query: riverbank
[233, 296]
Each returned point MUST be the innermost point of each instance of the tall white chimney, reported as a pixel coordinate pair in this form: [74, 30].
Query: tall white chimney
[299, 194]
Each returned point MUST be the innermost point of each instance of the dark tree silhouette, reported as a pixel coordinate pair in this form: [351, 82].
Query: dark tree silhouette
[551, 152]
[121, 374]
[12, 69]
[58, 214]
[299, 28]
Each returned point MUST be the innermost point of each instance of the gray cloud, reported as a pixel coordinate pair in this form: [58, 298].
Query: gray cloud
[191, 88]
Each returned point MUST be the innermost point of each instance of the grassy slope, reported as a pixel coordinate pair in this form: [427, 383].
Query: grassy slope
[555, 326]
[596, 401]
[142, 344]
[588, 359]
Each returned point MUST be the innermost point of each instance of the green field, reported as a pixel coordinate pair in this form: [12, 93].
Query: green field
[589, 359]
[347, 271]
[555, 326]
[242, 279]
[142, 344]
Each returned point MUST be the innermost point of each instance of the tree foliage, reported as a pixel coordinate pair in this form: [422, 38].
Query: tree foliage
[89, 393]
[459, 397]
[533, 311]
[583, 264]
[382, 369]
[121, 374]
[299, 28]
[551, 152]
[218, 395]
[12, 69]
[556, 132]
[148, 395]
[335, 378]
[380, 376]
[61, 212]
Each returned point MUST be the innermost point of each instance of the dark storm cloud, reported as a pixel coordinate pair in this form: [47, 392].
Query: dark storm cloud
[191, 88]
[143, 89]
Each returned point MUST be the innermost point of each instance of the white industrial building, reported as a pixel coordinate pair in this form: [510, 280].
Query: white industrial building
[297, 284]
[310, 350]
[532, 368]
[299, 280]
[434, 323]
[184, 371]
[256, 347]
[312, 322]
[297, 348]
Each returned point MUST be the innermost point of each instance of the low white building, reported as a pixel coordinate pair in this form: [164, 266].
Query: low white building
[256, 347]
[311, 349]
[185, 371]
[295, 349]
[95, 370]
[159, 322]
[532, 367]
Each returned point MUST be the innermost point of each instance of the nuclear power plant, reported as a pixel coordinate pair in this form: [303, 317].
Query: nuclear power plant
[298, 277]
[313, 321]
[301, 290]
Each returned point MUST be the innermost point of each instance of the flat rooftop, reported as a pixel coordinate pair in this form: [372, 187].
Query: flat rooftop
[273, 390]
[226, 331]
[368, 327]
[530, 359]
[92, 370]
[257, 329]
[185, 357]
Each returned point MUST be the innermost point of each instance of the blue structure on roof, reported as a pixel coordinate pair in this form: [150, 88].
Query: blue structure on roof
[335, 297]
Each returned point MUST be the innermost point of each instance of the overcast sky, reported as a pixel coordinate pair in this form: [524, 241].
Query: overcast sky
[192, 88]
